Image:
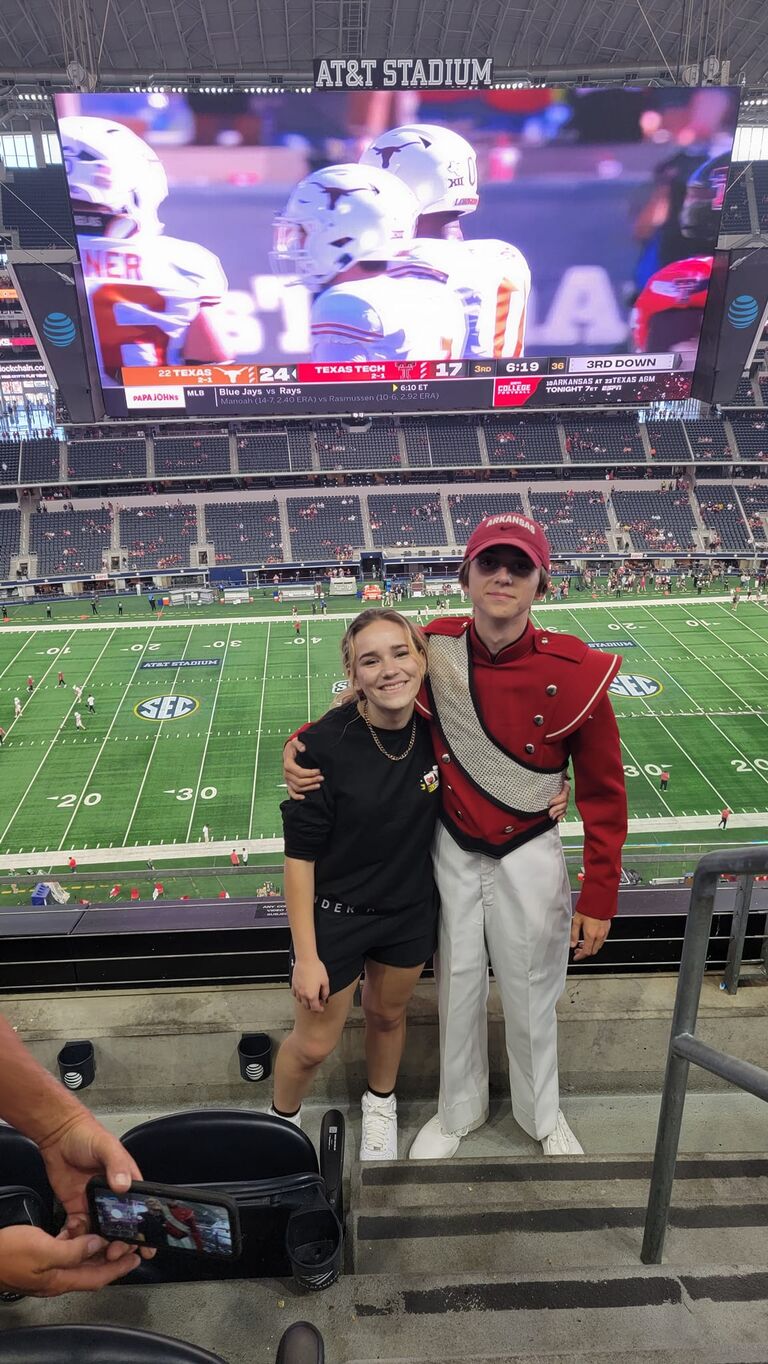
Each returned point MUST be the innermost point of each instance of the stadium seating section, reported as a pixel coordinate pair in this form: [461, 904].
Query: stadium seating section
[442, 442]
[522, 440]
[275, 451]
[736, 206]
[10, 460]
[468, 509]
[656, 520]
[9, 538]
[158, 535]
[99, 460]
[325, 528]
[605, 440]
[709, 439]
[40, 462]
[244, 532]
[70, 542]
[572, 520]
[667, 442]
[197, 455]
[376, 448]
[751, 436]
[745, 394]
[406, 519]
[760, 179]
[35, 203]
[721, 513]
[754, 500]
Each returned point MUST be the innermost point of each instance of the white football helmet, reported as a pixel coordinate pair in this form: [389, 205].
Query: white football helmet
[340, 216]
[438, 165]
[112, 174]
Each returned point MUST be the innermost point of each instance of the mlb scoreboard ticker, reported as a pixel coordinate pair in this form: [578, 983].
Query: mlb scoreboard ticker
[396, 386]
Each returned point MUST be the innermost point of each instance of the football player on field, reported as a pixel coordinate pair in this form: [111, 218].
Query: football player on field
[340, 230]
[492, 277]
[152, 298]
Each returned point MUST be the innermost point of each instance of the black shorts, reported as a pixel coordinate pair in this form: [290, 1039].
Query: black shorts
[345, 941]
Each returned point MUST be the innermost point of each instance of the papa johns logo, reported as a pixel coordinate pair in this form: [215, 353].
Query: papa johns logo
[166, 707]
[632, 686]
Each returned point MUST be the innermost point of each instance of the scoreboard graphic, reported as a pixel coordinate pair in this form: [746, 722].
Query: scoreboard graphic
[395, 386]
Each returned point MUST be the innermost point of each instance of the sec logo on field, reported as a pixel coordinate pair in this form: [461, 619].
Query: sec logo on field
[632, 686]
[166, 707]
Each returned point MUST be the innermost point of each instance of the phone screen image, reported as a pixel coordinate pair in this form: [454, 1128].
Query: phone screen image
[171, 1223]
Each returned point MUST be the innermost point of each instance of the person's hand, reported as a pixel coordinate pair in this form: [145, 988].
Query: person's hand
[558, 806]
[299, 780]
[310, 984]
[588, 935]
[39, 1265]
[77, 1151]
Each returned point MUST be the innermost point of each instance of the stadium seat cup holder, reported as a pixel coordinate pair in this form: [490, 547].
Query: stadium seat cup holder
[77, 1064]
[254, 1053]
[314, 1240]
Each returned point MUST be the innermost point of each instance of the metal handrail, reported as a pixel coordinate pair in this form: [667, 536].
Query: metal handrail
[685, 1048]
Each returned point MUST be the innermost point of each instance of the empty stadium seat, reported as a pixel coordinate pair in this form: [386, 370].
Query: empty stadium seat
[442, 442]
[667, 442]
[97, 1345]
[244, 532]
[99, 460]
[709, 439]
[40, 462]
[573, 521]
[735, 215]
[267, 1165]
[325, 527]
[158, 536]
[22, 1164]
[70, 542]
[657, 521]
[36, 204]
[406, 519]
[275, 451]
[522, 440]
[721, 513]
[468, 510]
[745, 395]
[198, 455]
[10, 461]
[760, 180]
[754, 499]
[751, 434]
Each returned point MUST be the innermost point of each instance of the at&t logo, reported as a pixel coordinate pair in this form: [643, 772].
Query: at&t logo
[72, 1079]
[633, 686]
[166, 707]
[742, 311]
[59, 329]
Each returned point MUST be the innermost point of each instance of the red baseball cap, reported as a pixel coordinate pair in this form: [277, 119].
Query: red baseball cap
[513, 529]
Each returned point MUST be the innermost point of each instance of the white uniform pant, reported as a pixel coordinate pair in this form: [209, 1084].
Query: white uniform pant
[516, 913]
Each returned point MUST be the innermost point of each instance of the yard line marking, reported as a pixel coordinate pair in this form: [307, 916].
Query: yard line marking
[208, 736]
[172, 688]
[104, 741]
[17, 654]
[735, 652]
[258, 733]
[706, 715]
[309, 683]
[637, 764]
[57, 735]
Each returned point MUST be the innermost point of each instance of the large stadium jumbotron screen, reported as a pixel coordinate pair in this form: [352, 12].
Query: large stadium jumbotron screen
[379, 251]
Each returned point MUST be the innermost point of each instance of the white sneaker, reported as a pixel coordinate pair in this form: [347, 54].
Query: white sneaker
[561, 1141]
[295, 1120]
[433, 1143]
[379, 1138]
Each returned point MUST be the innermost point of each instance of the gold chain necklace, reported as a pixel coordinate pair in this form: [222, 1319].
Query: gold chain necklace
[393, 757]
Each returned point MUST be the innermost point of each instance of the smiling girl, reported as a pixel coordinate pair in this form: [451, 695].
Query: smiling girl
[358, 873]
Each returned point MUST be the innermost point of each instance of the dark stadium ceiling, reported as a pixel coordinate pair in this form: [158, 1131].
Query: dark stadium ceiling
[119, 41]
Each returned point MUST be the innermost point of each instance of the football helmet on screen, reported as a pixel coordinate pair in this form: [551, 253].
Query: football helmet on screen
[670, 307]
[112, 174]
[340, 216]
[438, 165]
[704, 199]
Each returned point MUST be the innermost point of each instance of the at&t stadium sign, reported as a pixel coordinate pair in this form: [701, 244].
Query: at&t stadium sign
[402, 73]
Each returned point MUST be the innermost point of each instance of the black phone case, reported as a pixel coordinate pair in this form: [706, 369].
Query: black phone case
[167, 1191]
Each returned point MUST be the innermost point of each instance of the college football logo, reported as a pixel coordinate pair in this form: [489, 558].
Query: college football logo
[634, 687]
[166, 707]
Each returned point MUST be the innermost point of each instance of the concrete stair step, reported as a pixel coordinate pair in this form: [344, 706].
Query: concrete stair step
[548, 1215]
[632, 1315]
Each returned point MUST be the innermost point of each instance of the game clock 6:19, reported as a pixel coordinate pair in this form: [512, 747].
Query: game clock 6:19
[522, 366]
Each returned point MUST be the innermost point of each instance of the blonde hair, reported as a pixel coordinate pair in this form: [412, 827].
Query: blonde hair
[414, 638]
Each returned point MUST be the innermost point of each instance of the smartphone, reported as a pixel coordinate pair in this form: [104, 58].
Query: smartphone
[167, 1218]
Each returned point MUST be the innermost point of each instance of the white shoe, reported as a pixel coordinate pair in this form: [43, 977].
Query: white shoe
[433, 1143]
[379, 1138]
[561, 1141]
[295, 1120]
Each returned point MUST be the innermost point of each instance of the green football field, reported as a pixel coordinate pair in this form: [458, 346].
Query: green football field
[190, 716]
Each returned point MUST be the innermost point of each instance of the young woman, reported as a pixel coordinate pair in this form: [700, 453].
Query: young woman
[358, 872]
